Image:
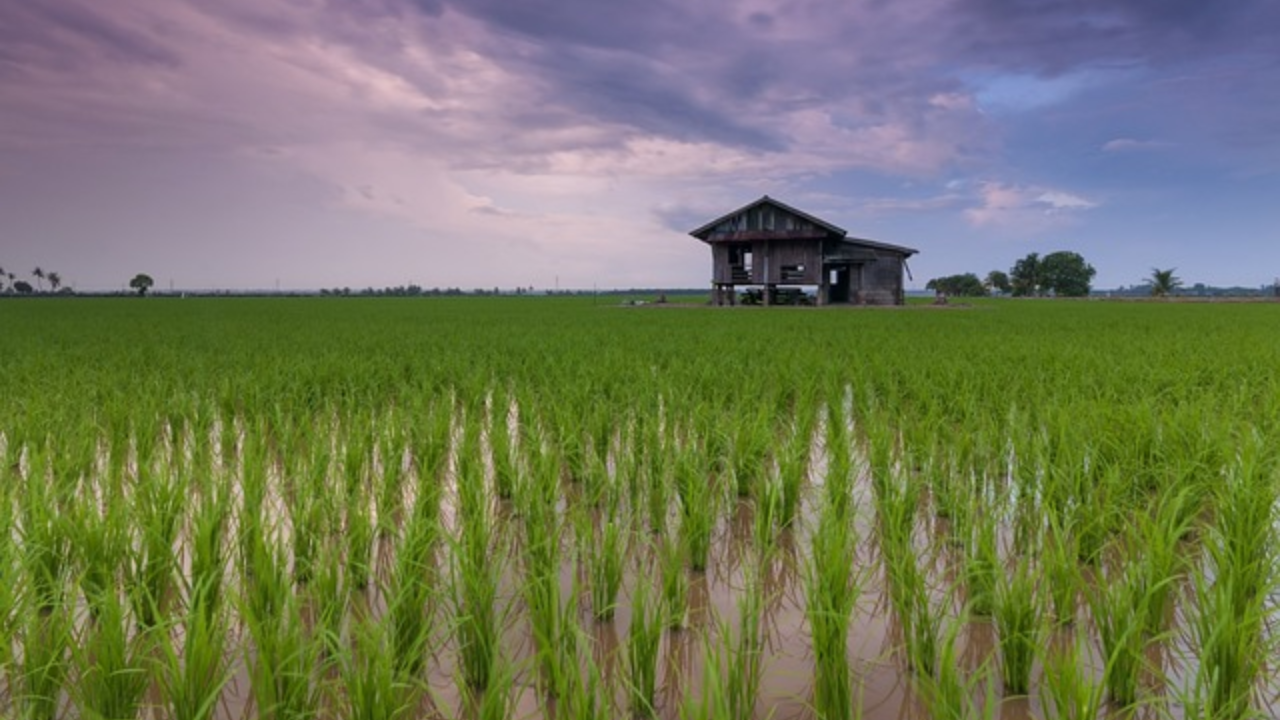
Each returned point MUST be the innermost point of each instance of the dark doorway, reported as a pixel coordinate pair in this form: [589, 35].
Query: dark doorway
[839, 285]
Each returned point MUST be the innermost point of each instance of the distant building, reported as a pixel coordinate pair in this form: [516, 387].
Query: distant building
[769, 245]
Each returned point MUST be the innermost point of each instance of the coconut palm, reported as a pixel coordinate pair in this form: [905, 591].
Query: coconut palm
[1164, 282]
[55, 281]
[39, 276]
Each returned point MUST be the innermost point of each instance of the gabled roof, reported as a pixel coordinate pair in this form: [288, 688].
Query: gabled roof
[881, 246]
[704, 231]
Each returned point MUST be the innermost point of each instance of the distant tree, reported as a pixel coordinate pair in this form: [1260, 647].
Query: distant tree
[998, 281]
[39, 275]
[1066, 274]
[1024, 277]
[966, 285]
[23, 287]
[1164, 282]
[141, 282]
[55, 281]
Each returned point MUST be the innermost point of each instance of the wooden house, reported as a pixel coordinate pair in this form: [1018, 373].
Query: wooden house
[770, 245]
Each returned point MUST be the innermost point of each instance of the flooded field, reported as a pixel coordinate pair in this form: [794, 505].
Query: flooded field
[495, 510]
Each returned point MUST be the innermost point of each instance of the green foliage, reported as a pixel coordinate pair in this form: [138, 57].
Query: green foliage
[965, 285]
[321, 497]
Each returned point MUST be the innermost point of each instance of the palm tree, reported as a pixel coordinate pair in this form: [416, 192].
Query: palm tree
[1164, 282]
[39, 275]
[55, 281]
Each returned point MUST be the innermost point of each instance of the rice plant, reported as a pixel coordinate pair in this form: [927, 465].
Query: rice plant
[675, 583]
[1018, 619]
[644, 635]
[40, 678]
[832, 590]
[1068, 685]
[194, 666]
[111, 663]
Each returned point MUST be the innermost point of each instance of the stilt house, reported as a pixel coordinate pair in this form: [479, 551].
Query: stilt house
[769, 245]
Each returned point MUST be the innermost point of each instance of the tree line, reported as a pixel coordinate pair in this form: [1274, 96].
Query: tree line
[1058, 274]
[10, 283]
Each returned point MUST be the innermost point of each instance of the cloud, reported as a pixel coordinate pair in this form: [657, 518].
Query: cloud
[1023, 207]
[1125, 144]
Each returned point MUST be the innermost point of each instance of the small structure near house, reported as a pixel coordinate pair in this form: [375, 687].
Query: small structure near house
[772, 245]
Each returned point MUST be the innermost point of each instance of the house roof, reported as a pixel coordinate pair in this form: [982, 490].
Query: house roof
[703, 233]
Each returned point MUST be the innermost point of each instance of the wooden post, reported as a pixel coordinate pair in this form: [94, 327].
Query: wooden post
[824, 287]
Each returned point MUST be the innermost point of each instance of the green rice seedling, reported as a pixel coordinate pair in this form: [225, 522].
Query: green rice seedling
[768, 511]
[750, 453]
[193, 666]
[1018, 618]
[100, 540]
[712, 703]
[265, 582]
[208, 561]
[644, 635]
[839, 477]
[110, 663]
[390, 482]
[606, 554]
[498, 702]
[160, 506]
[584, 696]
[793, 466]
[9, 577]
[1229, 623]
[329, 596]
[505, 473]
[285, 661]
[1068, 687]
[44, 538]
[657, 490]
[675, 583]
[371, 687]
[475, 572]
[981, 566]
[698, 508]
[947, 694]
[1059, 558]
[1116, 603]
[410, 608]
[41, 676]
[359, 537]
[745, 652]
[832, 590]
[921, 624]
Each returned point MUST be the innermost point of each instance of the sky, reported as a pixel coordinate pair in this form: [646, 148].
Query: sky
[255, 144]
